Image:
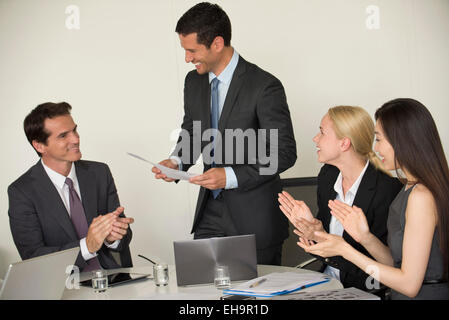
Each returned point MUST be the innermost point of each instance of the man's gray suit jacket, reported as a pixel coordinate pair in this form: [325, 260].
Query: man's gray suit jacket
[255, 100]
[40, 223]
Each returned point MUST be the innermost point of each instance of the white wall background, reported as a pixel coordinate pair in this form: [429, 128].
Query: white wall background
[123, 73]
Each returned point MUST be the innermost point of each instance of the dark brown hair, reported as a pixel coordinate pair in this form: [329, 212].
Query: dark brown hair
[34, 122]
[411, 131]
[208, 21]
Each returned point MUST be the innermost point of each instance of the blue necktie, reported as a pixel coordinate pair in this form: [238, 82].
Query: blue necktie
[215, 115]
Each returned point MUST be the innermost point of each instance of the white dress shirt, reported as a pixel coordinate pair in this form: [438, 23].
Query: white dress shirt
[335, 227]
[63, 190]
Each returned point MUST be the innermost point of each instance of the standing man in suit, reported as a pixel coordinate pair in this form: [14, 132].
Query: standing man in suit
[227, 93]
[63, 202]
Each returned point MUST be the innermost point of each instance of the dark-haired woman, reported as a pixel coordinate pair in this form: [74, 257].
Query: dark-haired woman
[415, 263]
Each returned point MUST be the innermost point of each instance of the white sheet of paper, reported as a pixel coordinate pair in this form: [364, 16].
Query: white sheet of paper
[170, 173]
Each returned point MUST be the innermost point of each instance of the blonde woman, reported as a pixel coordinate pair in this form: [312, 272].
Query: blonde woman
[352, 174]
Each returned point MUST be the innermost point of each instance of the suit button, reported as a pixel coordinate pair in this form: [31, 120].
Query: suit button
[326, 260]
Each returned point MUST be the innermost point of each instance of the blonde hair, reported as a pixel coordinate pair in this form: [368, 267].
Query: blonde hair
[356, 124]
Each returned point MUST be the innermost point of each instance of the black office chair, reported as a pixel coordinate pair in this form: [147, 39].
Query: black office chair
[302, 189]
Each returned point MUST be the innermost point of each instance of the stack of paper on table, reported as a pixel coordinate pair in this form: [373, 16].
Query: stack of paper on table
[278, 283]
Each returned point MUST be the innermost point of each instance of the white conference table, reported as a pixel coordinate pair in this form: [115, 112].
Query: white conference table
[147, 290]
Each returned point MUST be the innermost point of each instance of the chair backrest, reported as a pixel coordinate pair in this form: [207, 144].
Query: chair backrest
[304, 189]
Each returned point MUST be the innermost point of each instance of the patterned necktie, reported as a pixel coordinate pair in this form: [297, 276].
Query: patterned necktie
[215, 115]
[80, 222]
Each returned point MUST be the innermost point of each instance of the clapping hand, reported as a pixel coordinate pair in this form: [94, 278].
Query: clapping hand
[330, 245]
[100, 229]
[294, 209]
[306, 229]
[119, 226]
[299, 214]
[352, 219]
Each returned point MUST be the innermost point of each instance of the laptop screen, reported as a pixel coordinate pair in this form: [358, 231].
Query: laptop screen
[195, 260]
[40, 278]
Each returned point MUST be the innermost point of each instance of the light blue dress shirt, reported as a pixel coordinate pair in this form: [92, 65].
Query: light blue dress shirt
[225, 78]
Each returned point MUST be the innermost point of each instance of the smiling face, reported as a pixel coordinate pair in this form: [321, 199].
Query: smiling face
[327, 143]
[205, 59]
[63, 142]
[384, 148]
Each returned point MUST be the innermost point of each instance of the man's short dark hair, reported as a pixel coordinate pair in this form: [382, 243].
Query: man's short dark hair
[34, 123]
[208, 21]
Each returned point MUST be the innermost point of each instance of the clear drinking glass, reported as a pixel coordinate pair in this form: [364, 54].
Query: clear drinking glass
[160, 274]
[222, 279]
[99, 280]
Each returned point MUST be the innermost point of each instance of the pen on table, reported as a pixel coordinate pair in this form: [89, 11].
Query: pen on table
[255, 284]
[314, 284]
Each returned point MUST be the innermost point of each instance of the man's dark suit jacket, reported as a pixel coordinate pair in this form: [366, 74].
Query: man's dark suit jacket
[40, 223]
[374, 196]
[255, 100]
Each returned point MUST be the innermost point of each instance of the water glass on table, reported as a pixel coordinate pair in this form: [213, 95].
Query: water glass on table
[222, 278]
[160, 274]
[99, 281]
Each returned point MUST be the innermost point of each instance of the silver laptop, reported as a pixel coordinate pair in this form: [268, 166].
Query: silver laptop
[40, 278]
[195, 260]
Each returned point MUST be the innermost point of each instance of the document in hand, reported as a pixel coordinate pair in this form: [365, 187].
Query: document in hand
[278, 283]
[170, 173]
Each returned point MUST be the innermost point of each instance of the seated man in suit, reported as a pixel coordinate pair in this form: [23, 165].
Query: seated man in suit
[63, 202]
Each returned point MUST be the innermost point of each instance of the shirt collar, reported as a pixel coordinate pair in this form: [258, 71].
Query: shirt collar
[226, 75]
[57, 178]
[355, 186]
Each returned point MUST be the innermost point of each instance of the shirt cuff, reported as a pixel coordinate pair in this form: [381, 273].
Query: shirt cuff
[178, 161]
[231, 179]
[85, 252]
[113, 245]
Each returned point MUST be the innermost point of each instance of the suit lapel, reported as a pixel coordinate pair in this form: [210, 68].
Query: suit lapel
[231, 96]
[88, 190]
[366, 189]
[331, 195]
[46, 190]
[205, 102]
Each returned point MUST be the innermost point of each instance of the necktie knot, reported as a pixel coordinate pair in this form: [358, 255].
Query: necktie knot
[215, 83]
[69, 182]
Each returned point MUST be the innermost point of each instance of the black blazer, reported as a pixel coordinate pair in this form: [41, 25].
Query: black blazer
[374, 196]
[255, 100]
[40, 223]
